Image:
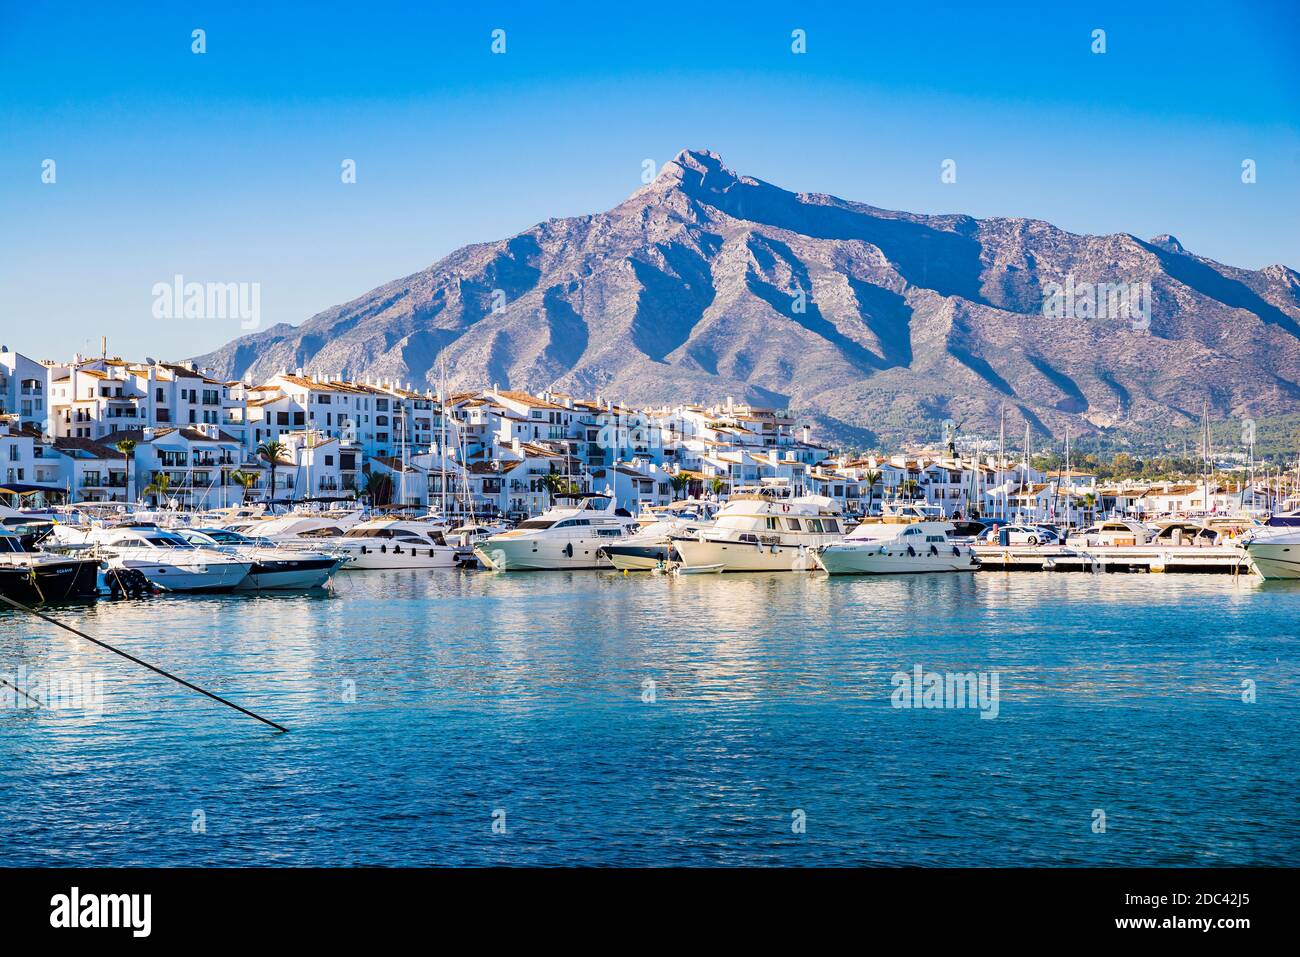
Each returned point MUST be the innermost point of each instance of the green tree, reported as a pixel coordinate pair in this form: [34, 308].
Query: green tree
[159, 487]
[271, 451]
[872, 477]
[379, 488]
[245, 480]
[679, 482]
[127, 448]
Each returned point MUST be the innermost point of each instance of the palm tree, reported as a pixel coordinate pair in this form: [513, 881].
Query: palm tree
[379, 488]
[553, 483]
[160, 486]
[271, 451]
[717, 485]
[910, 487]
[127, 448]
[679, 482]
[244, 480]
[873, 476]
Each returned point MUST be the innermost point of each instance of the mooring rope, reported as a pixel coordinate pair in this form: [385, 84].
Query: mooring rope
[129, 657]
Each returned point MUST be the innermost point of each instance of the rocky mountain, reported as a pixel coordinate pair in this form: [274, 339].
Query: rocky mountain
[875, 324]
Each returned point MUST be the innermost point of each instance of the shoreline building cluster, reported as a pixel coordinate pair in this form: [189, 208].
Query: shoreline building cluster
[501, 452]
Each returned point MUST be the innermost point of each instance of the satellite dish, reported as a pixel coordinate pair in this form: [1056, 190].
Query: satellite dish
[151, 360]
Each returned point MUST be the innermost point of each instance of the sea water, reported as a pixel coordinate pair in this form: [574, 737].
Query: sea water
[471, 718]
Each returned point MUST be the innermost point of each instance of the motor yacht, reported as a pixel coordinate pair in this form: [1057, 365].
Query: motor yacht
[565, 536]
[274, 567]
[898, 549]
[387, 543]
[295, 525]
[901, 512]
[35, 578]
[764, 529]
[168, 560]
[1274, 551]
[1118, 531]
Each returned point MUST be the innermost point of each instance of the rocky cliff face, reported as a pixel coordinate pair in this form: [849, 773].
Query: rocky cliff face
[707, 283]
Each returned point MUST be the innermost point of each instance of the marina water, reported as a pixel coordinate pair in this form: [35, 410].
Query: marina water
[588, 718]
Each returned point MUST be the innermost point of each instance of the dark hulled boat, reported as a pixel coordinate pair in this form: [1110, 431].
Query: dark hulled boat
[35, 578]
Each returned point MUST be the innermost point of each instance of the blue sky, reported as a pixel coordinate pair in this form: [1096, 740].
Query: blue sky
[225, 166]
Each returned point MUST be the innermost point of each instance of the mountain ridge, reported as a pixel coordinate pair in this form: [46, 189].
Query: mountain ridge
[706, 283]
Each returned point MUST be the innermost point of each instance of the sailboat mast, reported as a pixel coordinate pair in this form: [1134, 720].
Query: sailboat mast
[1205, 451]
[1002, 458]
[1025, 479]
[442, 442]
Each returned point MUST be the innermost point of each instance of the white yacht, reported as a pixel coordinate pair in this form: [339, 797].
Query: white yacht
[898, 549]
[294, 525]
[764, 529]
[563, 537]
[1274, 551]
[274, 567]
[169, 561]
[388, 543]
[1118, 531]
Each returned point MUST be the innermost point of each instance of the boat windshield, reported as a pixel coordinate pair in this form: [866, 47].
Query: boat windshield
[168, 541]
[534, 523]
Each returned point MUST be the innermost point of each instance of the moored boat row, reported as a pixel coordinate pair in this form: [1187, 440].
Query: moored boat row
[760, 529]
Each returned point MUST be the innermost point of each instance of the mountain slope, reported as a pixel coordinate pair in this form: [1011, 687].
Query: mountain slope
[706, 283]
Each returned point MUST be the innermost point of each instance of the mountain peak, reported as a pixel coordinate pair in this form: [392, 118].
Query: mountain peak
[711, 283]
[693, 170]
[1168, 243]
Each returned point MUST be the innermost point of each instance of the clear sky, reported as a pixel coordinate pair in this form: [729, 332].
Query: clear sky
[225, 166]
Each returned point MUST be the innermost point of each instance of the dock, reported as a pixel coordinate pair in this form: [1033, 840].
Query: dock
[1220, 559]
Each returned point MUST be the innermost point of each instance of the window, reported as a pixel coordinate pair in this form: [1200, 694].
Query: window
[793, 524]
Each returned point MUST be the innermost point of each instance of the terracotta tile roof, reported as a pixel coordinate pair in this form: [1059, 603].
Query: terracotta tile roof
[523, 398]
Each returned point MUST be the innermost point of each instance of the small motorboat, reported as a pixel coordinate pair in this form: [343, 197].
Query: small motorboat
[698, 569]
